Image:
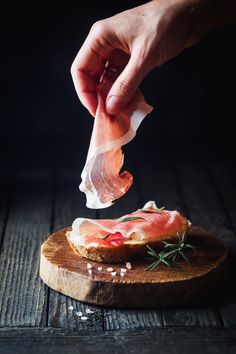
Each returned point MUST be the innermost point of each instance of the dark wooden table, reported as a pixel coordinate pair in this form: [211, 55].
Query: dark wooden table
[39, 199]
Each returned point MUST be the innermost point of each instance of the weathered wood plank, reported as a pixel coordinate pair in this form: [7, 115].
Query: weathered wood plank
[127, 319]
[69, 204]
[223, 177]
[160, 185]
[62, 316]
[206, 210]
[203, 204]
[23, 297]
[160, 340]
[200, 316]
[131, 319]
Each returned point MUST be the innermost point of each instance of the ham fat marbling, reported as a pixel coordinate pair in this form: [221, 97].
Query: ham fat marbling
[102, 181]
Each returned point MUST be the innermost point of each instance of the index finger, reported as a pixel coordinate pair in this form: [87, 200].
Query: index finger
[86, 71]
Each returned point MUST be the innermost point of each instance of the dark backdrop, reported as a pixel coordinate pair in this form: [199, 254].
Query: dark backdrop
[42, 120]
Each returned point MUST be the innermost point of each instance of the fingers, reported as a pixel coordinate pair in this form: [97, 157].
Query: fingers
[101, 46]
[85, 64]
[126, 84]
[85, 87]
[86, 71]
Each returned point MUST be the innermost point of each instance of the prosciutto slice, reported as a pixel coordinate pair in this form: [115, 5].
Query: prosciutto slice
[102, 181]
[146, 224]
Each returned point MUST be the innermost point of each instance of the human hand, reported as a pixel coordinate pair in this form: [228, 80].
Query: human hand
[134, 42]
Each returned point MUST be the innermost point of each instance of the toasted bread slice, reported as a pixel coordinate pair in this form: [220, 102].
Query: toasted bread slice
[129, 250]
[125, 238]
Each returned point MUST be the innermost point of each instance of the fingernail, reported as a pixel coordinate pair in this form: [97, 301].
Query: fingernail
[113, 105]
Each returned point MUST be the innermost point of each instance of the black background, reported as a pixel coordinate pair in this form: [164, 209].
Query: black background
[42, 120]
[44, 136]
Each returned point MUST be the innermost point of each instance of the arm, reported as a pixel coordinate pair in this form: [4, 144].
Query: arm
[140, 39]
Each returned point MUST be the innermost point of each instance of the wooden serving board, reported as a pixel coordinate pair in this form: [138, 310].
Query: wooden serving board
[66, 272]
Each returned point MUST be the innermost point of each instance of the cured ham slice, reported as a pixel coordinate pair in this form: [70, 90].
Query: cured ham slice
[148, 224]
[102, 181]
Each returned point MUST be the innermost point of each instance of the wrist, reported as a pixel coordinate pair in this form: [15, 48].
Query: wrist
[210, 14]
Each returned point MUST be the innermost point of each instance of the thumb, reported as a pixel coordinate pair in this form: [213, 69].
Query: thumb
[126, 85]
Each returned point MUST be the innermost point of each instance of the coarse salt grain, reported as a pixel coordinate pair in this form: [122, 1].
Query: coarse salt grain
[90, 271]
[99, 268]
[122, 274]
[128, 265]
[109, 269]
[89, 266]
[79, 313]
[113, 273]
[89, 311]
[123, 270]
[84, 318]
[70, 307]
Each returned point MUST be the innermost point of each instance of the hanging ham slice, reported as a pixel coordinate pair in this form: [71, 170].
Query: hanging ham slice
[119, 239]
[102, 181]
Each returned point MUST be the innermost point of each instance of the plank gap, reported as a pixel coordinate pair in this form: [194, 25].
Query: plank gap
[179, 190]
[54, 194]
[9, 201]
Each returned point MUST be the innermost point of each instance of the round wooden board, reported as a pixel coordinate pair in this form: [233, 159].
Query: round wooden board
[67, 272]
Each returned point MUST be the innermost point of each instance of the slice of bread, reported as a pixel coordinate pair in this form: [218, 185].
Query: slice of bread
[130, 249]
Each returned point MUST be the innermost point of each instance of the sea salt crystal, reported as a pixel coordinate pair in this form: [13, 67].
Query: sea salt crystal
[113, 273]
[90, 271]
[123, 270]
[79, 313]
[99, 268]
[89, 266]
[84, 318]
[122, 274]
[128, 265]
[70, 307]
[109, 269]
[89, 311]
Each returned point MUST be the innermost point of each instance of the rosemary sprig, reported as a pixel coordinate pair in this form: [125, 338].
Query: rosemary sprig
[121, 220]
[103, 237]
[130, 218]
[170, 252]
[151, 211]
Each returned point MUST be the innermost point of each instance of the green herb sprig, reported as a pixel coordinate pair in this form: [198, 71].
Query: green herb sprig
[151, 211]
[170, 252]
[121, 220]
[130, 218]
[103, 237]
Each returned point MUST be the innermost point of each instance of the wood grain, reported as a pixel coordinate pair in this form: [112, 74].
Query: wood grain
[29, 199]
[210, 212]
[160, 340]
[68, 204]
[67, 272]
[126, 319]
[23, 297]
[162, 186]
